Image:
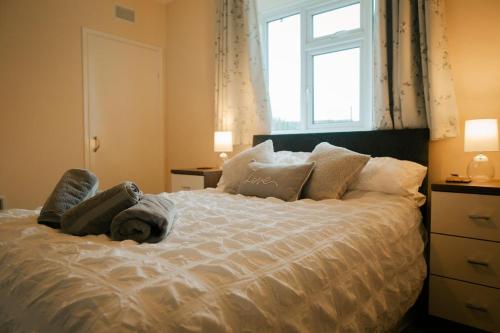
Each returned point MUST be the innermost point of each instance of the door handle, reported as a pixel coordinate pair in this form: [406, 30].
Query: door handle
[478, 262]
[476, 307]
[97, 144]
[479, 217]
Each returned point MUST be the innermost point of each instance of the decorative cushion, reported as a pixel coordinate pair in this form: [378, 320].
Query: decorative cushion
[236, 168]
[282, 181]
[336, 168]
[392, 176]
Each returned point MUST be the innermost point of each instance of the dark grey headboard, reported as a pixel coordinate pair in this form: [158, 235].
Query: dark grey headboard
[406, 144]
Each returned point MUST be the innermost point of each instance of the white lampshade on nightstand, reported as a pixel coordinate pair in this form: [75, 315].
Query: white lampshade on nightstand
[223, 144]
[481, 135]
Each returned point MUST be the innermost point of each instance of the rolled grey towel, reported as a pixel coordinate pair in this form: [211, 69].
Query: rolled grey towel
[75, 186]
[149, 221]
[94, 216]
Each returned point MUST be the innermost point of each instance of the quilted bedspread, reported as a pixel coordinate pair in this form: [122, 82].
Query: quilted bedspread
[231, 264]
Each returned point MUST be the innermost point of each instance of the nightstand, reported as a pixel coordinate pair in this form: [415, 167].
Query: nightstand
[464, 282]
[194, 179]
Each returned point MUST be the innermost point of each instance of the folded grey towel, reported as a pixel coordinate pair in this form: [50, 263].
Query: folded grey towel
[75, 186]
[149, 221]
[94, 215]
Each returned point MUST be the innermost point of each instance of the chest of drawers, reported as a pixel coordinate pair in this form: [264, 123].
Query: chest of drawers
[464, 282]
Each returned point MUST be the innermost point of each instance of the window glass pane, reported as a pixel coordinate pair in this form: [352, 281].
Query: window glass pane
[284, 71]
[336, 86]
[328, 23]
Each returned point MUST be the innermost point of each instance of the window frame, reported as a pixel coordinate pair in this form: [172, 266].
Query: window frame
[310, 47]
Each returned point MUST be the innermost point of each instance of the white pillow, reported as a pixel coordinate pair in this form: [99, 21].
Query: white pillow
[290, 157]
[235, 169]
[392, 176]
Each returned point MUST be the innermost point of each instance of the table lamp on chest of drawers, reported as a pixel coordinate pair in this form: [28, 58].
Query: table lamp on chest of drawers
[481, 135]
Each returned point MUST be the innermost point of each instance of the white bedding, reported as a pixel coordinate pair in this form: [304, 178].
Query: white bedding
[231, 264]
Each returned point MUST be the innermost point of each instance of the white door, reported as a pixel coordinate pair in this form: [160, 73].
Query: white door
[124, 125]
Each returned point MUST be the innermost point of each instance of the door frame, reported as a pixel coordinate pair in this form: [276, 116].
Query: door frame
[86, 33]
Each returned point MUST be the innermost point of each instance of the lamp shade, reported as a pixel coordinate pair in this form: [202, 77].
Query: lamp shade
[223, 142]
[481, 135]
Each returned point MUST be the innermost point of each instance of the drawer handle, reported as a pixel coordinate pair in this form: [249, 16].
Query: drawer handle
[478, 262]
[476, 307]
[479, 217]
[186, 188]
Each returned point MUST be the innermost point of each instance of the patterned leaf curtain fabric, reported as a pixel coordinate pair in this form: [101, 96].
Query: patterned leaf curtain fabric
[241, 97]
[413, 85]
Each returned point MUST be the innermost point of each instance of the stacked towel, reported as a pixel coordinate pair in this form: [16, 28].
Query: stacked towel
[150, 220]
[94, 216]
[121, 211]
[74, 187]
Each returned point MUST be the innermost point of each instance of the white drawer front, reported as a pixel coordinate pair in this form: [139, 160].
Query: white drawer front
[468, 215]
[465, 303]
[466, 259]
[187, 182]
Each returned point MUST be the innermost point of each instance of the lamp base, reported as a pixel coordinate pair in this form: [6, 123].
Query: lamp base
[480, 169]
[223, 157]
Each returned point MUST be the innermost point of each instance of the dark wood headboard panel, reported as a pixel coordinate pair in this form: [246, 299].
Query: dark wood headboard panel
[406, 144]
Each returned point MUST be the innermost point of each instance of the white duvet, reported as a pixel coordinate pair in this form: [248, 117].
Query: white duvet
[232, 264]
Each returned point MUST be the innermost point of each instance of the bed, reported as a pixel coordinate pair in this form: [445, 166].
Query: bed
[232, 263]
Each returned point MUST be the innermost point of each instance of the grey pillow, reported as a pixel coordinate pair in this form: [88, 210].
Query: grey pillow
[282, 181]
[236, 168]
[336, 168]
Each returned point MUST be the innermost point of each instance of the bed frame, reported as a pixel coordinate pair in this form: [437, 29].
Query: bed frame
[405, 144]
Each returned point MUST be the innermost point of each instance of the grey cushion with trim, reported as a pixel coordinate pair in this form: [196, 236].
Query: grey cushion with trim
[282, 181]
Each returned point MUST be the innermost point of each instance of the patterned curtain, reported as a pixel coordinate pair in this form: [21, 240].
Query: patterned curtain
[412, 73]
[241, 97]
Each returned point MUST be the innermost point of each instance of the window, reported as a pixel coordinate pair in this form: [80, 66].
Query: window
[318, 57]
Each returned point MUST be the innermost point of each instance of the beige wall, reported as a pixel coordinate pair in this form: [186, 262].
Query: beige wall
[190, 83]
[41, 98]
[474, 47]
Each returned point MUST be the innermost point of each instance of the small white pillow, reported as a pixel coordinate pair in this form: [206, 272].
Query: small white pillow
[290, 157]
[392, 176]
[235, 169]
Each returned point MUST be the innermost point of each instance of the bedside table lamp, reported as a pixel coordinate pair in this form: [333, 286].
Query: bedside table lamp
[223, 144]
[481, 135]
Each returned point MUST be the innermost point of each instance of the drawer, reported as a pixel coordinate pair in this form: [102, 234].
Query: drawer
[466, 259]
[187, 182]
[468, 215]
[465, 303]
